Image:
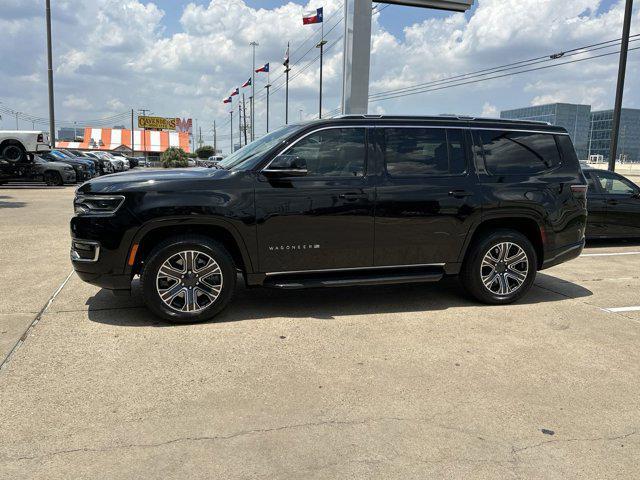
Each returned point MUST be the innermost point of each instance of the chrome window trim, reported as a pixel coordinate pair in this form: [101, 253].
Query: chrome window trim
[269, 274]
[86, 260]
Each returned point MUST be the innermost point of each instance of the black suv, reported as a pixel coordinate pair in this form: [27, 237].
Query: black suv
[355, 200]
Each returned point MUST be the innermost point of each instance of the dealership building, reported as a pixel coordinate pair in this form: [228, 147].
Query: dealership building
[121, 140]
[589, 130]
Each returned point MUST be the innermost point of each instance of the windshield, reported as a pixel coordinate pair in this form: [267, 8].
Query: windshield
[255, 149]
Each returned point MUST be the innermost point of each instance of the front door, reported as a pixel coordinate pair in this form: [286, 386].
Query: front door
[597, 208]
[623, 204]
[428, 196]
[323, 220]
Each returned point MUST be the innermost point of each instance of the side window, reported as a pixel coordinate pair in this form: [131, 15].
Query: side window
[591, 184]
[519, 153]
[335, 152]
[615, 185]
[424, 151]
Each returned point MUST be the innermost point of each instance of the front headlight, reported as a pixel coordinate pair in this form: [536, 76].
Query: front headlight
[68, 168]
[97, 204]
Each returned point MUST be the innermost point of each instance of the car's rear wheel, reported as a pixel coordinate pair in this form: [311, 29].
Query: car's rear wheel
[188, 279]
[500, 267]
[53, 179]
[13, 152]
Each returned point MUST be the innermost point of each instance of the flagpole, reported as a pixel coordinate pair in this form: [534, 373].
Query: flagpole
[244, 112]
[231, 136]
[253, 91]
[240, 123]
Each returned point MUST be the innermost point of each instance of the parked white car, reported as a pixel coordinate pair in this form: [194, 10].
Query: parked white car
[16, 144]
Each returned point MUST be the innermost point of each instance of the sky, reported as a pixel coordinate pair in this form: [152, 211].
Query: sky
[179, 58]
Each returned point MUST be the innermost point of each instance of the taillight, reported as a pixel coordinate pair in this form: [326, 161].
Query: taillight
[579, 191]
[40, 138]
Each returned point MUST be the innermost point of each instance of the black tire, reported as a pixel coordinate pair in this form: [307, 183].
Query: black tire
[473, 268]
[53, 178]
[13, 152]
[167, 250]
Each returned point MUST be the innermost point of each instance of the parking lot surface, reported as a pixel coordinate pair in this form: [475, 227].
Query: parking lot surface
[407, 382]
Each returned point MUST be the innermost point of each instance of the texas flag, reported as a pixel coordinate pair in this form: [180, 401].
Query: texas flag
[247, 83]
[227, 100]
[264, 68]
[312, 17]
[235, 92]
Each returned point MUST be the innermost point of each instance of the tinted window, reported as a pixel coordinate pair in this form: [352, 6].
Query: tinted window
[615, 185]
[336, 152]
[424, 151]
[518, 153]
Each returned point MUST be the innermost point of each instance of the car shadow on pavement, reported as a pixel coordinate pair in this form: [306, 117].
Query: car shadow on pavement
[327, 303]
[6, 203]
[608, 243]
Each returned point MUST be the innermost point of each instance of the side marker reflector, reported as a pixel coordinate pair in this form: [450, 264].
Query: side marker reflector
[132, 254]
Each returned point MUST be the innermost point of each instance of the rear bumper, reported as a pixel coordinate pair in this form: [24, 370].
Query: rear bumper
[563, 254]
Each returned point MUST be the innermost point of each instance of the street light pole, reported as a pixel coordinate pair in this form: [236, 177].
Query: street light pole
[52, 120]
[617, 111]
[253, 92]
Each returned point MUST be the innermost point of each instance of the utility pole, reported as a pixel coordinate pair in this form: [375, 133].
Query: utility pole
[286, 89]
[52, 119]
[321, 45]
[244, 114]
[200, 137]
[622, 69]
[215, 139]
[267, 86]
[133, 142]
[240, 124]
[17, 127]
[253, 94]
[143, 111]
[231, 132]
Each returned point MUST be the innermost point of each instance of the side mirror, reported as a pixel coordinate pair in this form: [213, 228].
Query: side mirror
[287, 166]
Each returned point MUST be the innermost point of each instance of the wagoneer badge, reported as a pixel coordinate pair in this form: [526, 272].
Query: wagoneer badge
[303, 246]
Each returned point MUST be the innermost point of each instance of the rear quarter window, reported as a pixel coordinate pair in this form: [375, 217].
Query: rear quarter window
[518, 153]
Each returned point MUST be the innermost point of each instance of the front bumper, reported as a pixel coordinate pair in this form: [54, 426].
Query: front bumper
[69, 177]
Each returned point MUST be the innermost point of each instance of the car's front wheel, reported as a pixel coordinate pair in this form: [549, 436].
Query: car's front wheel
[500, 267]
[188, 279]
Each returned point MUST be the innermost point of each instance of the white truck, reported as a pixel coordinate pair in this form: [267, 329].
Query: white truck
[15, 145]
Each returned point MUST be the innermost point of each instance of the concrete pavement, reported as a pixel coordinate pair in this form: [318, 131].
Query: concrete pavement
[380, 382]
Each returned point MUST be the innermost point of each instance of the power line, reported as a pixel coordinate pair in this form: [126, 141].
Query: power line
[458, 84]
[509, 66]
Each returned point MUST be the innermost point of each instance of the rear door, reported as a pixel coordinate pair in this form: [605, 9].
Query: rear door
[623, 204]
[428, 195]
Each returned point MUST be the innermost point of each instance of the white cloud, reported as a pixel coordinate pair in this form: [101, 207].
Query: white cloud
[113, 55]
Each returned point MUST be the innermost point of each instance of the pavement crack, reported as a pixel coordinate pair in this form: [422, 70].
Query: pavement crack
[515, 450]
[205, 438]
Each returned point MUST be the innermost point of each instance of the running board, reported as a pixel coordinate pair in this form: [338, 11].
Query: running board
[346, 279]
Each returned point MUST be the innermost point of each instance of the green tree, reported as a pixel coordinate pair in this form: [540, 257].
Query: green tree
[205, 151]
[174, 157]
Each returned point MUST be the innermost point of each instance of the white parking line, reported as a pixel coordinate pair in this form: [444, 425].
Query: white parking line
[622, 309]
[608, 254]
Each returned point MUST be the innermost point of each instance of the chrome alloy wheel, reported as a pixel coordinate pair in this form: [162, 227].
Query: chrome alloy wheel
[504, 268]
[189, 281]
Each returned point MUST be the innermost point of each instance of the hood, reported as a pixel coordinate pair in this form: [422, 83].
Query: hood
[172, 179]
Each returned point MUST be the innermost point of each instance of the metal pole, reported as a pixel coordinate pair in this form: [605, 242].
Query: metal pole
[617, 112]
[356, 56]
[17, 127]
[267, 86]
[286, 96]
[215, 139]
[251, 122]
[52, 121]
[253, 92]
[244, 114]
[240, 123]
[321, 47]
[231, 136]
[133, 142]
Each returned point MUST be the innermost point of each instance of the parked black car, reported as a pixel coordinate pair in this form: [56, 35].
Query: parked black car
[82, 169]
[356, 200]
[34, 167]
[613, 202]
